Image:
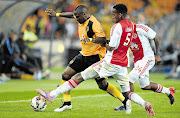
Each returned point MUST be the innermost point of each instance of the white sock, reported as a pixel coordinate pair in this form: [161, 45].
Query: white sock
[162, 89]
[64, 88]
[136, 98]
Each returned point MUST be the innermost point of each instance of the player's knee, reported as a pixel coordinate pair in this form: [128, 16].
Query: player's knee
[66, 77]
[102, 86]
[146, 88]
[78, 78]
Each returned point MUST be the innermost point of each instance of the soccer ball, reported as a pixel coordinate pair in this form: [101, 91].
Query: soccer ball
[38, 103]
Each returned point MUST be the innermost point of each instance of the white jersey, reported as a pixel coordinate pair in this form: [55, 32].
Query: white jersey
[121, 36]
[140, 45]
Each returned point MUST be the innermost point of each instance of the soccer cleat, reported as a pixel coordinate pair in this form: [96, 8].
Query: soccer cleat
[149, 109]
[121, 108]
[128, 106]
[46, 95]
[171, 96]
[63, 108]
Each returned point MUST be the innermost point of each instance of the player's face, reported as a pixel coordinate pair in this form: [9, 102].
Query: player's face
[80, 17]
[116, 17]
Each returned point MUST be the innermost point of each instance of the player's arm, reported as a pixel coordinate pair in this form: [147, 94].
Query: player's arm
[99, 40]
[157, 54]
[116, 33]
[52, 13]
[109, 47]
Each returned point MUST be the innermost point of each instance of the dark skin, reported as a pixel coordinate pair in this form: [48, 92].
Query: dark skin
[116, 17]
[81, 17]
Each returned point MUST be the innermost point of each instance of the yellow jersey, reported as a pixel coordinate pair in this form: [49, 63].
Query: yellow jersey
[91, 29]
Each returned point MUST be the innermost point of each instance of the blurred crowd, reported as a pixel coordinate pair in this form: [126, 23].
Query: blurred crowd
[18, 58]
[152, 10]
[17, 52]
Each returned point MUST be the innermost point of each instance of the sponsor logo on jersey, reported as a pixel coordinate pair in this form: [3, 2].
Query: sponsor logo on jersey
[128, 29]
[134, 46]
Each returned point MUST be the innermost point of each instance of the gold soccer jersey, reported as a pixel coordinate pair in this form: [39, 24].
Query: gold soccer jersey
[91, 29]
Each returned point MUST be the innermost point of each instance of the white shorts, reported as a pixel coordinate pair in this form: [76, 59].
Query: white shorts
[140, 72]
[103, 69]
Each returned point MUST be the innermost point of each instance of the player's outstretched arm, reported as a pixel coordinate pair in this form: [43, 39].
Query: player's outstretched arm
[157, 55]
[99, 40]
[52, 13]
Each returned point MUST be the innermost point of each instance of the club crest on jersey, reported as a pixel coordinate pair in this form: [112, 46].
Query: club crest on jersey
[134, 46]
[128, 29]
[134, 36]
[87, 28]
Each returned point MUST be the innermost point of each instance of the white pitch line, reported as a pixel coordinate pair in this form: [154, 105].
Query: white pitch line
[101, 95]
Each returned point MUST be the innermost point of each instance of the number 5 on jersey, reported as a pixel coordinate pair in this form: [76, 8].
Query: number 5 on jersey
[127, 39]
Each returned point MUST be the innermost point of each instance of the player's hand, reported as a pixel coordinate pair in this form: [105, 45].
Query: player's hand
[158, 59]
[85, 40]
[51, 12]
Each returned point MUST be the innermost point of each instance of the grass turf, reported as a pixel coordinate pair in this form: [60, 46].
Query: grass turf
[88, 101]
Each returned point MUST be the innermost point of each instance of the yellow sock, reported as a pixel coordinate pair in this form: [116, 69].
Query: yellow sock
[114, 92]
[67, 95]
[27, 77]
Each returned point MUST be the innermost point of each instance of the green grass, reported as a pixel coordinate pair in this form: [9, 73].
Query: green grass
[87, 100]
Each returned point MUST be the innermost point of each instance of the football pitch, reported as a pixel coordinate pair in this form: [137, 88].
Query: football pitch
[88, 101]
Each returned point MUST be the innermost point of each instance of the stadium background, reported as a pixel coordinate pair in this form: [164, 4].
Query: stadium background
[58, 43]
[58, 37]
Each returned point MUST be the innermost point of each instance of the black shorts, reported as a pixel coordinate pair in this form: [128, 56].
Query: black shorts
[80, 63]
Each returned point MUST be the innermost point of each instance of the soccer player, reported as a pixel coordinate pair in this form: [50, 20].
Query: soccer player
[92, 52]
[144, 60]
[114, 63]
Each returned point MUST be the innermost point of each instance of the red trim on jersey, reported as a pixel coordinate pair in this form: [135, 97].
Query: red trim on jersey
[144, 69]
[142, 27]
[136, 47]
[119, 56]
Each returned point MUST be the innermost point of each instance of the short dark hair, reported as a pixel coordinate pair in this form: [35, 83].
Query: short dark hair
[81, 8]
[121, 8]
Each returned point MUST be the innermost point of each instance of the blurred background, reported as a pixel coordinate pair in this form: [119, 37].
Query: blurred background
[46, 43]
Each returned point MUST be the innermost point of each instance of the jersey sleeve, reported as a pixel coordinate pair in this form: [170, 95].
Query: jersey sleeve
[116, 32]
[98, 30]
[147, 31]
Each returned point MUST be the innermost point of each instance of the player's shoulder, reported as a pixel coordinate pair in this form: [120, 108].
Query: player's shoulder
[93, 19]
[142, 27]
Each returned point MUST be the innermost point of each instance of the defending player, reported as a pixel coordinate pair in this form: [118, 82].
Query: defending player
[144, 60]
[88, 27]
[114, 64]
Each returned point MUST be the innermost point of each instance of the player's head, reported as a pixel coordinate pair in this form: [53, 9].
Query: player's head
[119, 12]
[80, 13]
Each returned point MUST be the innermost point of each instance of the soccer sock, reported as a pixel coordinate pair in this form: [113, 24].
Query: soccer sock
[136, 98]
[68, 85]
[162, 89]
[114, 92]
[67, 95]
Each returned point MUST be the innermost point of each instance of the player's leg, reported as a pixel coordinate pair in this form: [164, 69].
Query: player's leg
[125, 89]
[89, 73]
[66, 75]
[146, 85]
[72, 68]
[109, 88]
